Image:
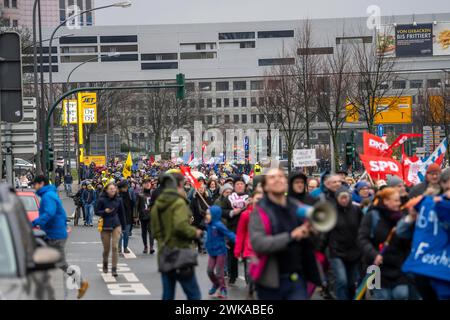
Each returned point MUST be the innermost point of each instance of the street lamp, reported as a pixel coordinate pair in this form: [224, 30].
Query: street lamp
[67, 145]
[123, 4]
[61, 36]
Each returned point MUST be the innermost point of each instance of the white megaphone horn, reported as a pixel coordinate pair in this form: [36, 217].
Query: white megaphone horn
[322, 216]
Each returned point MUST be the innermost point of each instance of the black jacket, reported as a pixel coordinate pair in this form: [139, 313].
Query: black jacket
[143, 205]
[116, 217]
[230, 222]
[304, 197]
[394, 255]
[343, 239]
[198, 208]
[128, 206]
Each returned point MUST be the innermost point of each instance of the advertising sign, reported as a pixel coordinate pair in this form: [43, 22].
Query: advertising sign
[69, 111]
[441, 45]
[98, 160]
[414, 40]
[304, 158]
[392, 110]
[89, 107]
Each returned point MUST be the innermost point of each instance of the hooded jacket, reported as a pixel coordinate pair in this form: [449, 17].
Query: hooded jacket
[303, 197]
[144, 204]
[52, 216]
[216, 234]
[243, 246]
[173, 211]
[343, 238]
[114, 218]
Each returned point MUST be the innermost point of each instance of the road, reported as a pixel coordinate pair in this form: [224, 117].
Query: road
[138, 276]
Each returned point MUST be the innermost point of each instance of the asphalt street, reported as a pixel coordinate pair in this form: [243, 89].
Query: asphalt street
[138, 276]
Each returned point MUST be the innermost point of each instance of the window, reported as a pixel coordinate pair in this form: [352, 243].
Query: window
[192, 103]
[15, 23]
[275, 61]
[159, 65]
[70, 59]
[204, 86]
[236, 35]
[253, 102]
[239, 85]
[209, 119]
[201, 103]
[244, 118]
[236, 102]
[218, 103]
[236, 118]
[218, 119]
[226, 102]
[253, 118]
[124, 48]
[159, 56]
[8, 267]
[399, 84]
[343, 40]
[198, 55]
[227, 118]
[81, 39]
[261, 118]
[122, 57]
[45, 50]
[209, 103]
[30, 69]
[273, 83]
[261, 101]
[247, 44]
[311, 51]
[200, 46]
[276, 34]
[189, 86]
[114, 39]
[433, 83]
[243, 102]
[14, 4]
[416, 84]
[79, 49]
[222, 86]
[142, 121]
[6, 3]
[133, 121]
[256, 85]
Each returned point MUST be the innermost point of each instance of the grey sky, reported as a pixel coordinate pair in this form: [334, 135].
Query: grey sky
[197, 11]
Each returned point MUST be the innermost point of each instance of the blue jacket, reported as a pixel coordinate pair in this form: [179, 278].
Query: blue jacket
[52, 216]
[317, 193]
[89, 197]
[216, 234]
[116, 217]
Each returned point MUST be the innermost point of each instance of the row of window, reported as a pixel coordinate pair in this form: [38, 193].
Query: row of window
[221, 86]
[10, 4]
[261, 34]
[8, 23]
[225, 102]
[414, 84]
[93, 39]
[236, 118]
[70, 3]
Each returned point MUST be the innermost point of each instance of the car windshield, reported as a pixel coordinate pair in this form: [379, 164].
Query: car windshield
[8, 266]
[29, 203]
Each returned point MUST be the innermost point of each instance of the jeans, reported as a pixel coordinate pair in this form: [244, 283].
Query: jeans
[145, 229]
[215, 270]
[68, 187]
[190, 287]
[89, 209]
[232, 266]
[346, 276]
[288, 290]
[124, 237]
[400, 292]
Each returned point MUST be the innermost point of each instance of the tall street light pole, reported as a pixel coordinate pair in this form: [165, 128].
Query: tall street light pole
[67, 144]
[123, 4]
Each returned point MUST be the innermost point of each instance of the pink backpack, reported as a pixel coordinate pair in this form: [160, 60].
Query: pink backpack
[258, 264]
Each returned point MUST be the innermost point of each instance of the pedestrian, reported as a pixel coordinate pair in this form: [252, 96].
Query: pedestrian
[215, 245]
[144, 208]
[298, 188]
[88, 198]
[128, 205]
[313, 184]
[361, 192]
[279, 238]
[199, 205]
[53, 221]
[170, 224]
[68, 180]
[376, 228]
[110, 209]
[431, 180]
[343, 250]
[214, 190]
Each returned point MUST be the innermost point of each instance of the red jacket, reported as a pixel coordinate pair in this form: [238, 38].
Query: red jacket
[243, 247]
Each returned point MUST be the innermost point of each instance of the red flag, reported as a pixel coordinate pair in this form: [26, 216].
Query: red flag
[191, 157]
[374, 145]
[251, 174]
[379, 167]
[411, 168]
[401, 139]
[152, 159]
[186, 171]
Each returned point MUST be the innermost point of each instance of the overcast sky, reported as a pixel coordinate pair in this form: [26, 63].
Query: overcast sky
[195, 11]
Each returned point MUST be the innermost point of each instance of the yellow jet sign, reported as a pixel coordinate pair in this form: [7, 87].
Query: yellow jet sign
[89, 107]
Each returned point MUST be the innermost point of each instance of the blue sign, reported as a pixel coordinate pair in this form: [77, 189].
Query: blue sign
[380, 130]
[246, 143]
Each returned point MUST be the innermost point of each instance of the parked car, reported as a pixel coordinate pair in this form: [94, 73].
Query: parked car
[25, 260]
[30, 202]
[21, 164]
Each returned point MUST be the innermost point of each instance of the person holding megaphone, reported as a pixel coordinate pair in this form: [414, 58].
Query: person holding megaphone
[285, 258]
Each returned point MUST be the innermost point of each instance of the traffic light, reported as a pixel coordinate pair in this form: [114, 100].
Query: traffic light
[181, 88]
[51, 159]
[349, 153]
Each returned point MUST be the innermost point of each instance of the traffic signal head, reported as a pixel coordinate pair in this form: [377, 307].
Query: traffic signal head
[181, 88]
[51, 159]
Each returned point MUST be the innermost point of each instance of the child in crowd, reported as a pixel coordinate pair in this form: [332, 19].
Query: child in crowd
[217, 250]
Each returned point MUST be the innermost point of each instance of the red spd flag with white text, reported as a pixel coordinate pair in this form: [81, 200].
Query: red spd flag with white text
[379, 167]
[376, 146]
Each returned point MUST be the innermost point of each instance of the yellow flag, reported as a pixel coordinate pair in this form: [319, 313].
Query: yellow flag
[127, 167]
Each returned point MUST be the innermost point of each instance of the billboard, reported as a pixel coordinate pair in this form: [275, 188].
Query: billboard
[393, 110]
[414, 40]
[440, 111]
[88, 102]
[441, 45]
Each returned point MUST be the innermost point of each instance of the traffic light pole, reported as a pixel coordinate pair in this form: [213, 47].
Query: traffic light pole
[179, 86]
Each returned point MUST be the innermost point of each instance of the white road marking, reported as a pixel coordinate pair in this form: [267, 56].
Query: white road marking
[131, 286]
[128, 289]
[130, 255]
[85, 242]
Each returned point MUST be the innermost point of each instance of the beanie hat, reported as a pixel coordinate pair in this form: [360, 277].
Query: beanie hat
[394, 181]
[226, 186]
[237, 179]
[361, 184]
